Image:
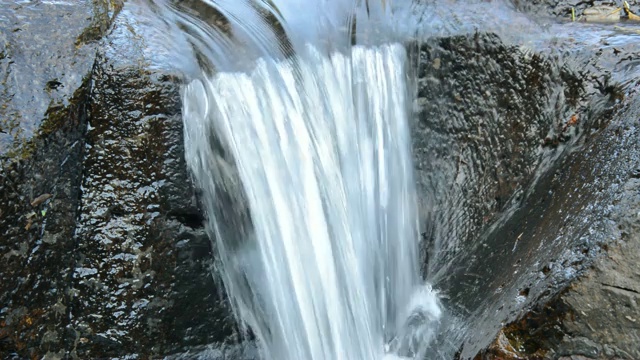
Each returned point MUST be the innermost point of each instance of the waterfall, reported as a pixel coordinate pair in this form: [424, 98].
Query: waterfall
[302, 154]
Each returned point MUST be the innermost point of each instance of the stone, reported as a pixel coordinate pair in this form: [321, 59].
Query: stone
[103, 247]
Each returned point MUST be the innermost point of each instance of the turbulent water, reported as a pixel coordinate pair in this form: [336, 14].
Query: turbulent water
[322, 150]
[303, 157]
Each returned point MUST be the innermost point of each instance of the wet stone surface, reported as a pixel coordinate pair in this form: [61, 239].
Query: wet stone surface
[43, 96]
[38, 204]
[490, 117]
[140, 236]
[101, 240]
[41, 66]
[596, 316]
[517, 180]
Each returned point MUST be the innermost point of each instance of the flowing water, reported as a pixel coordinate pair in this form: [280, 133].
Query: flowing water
[302, 152]
[296, 118]
[329, 269]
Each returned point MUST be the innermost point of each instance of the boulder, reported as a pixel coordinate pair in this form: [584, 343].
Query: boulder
[104, 250]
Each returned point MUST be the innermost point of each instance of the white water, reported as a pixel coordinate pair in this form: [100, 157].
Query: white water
[330, 268]
[303, 158]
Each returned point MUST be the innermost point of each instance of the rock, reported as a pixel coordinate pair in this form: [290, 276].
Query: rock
[484, 115]
[518, 167]
[142, 281]
[41, 66]
[44, 89]
[583, 313]
[103, 249]
[590, 11]
[599, 317]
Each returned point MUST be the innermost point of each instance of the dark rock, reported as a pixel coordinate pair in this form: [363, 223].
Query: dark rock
[526, 167]
[44, 88]
[37, 240]
[575, 226]
[142, 282]
[485, 111]
[517, 178]
[104, 251]
[599, 317]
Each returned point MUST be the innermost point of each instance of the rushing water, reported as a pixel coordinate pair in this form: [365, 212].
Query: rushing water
[301, 148]
[329, 269]
[300, 145]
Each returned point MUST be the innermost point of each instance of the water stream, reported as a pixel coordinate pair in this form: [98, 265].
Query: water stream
[302, 150]
[329, 267]
[298, 118]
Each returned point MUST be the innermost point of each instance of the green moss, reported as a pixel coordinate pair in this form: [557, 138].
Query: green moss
[56, 116]
[20, 151]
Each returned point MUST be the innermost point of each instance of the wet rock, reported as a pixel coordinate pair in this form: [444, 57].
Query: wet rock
[134, 246]
[36, 244]
[44, 89]
[525, 168]
[591, 10]
[244, 351]
[103, 249]
[489, 117]
[599, 317]
[142, 281]
[41, 65]
[516, 177]
[579, 256]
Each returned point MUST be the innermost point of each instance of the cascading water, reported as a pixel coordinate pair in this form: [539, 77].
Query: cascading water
[331, 267]
[306, 174]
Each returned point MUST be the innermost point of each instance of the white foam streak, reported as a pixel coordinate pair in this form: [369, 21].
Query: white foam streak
[329, 267]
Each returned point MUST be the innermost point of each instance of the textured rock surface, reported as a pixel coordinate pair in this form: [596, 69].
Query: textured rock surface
[41, 65]
[139, 238]
[39, 203]
[511, 216]
[593, 318]
[562, 9]
[489, 115]
[551, 225]
[43, 96]
[103, 250]
[596, 317]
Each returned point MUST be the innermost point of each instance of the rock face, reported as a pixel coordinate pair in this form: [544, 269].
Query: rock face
[489, 116]
[594, 316]
[103, 249]
[506, 147]
[141, 279]
[581, 9]
[527, 168]
[43, 100]
[41, 65]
